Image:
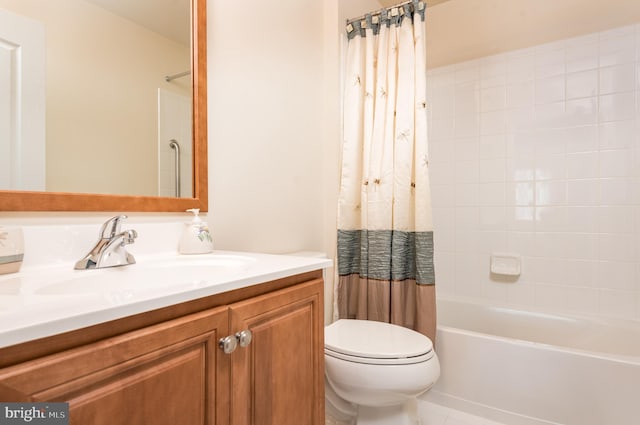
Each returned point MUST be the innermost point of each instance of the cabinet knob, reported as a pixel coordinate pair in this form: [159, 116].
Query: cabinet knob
[228, 344]
[244, 337]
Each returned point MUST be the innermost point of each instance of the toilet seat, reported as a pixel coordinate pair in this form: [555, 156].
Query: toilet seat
[376, 343]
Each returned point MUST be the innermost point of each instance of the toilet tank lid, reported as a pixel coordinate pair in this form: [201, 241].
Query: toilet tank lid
[366, 338]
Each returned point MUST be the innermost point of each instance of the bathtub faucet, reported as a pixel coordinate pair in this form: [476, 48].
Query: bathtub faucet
[110, 250]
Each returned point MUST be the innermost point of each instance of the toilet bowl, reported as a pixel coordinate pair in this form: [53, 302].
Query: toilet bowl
[378, 369]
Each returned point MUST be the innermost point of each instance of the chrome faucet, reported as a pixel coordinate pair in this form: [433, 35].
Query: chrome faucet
[110, 250]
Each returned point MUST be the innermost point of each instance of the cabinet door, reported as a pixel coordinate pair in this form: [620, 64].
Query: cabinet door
[278, 379]
[170, 373]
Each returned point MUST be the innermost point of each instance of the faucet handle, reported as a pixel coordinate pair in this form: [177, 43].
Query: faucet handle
[111, 227]
[129, 236]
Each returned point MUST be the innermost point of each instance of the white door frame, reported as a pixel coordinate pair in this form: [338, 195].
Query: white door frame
[22, 103]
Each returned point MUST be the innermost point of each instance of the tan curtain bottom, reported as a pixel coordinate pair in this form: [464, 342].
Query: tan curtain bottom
[403, 303]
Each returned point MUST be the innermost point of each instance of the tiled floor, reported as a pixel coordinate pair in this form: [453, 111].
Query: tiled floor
[434, 414]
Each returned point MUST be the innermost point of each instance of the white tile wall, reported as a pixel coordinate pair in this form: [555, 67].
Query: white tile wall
[537, 152]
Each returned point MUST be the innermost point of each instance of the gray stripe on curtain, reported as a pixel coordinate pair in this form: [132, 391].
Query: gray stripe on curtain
[385, 18]
[387, 255]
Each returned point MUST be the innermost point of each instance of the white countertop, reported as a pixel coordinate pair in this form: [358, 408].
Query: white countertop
[40, 302]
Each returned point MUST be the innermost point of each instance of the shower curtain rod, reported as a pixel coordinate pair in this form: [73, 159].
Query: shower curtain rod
[168, 78]
[359, 18]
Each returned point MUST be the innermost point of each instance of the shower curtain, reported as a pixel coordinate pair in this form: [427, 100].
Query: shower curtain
[385, 231]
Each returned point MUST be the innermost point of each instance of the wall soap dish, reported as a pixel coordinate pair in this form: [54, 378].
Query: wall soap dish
[505, 264]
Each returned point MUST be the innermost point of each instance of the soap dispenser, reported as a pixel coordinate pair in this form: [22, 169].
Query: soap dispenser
[196, 238]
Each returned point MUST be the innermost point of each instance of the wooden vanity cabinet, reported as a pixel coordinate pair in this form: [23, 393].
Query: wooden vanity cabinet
[165, 374]
[278, 379]
[174, 372]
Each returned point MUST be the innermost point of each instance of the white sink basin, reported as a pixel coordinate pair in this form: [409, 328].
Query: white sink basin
[175, 274]
[41, 301]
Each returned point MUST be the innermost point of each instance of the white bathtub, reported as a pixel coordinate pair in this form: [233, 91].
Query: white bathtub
[526, 368]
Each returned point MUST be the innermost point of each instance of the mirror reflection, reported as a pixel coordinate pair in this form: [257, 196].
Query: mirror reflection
[95, 97]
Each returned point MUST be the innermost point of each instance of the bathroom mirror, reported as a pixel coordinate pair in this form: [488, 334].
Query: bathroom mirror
[187, 76]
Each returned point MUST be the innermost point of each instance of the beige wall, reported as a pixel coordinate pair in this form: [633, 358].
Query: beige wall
[349, 9]
[460, 30]
[266, 126]
[103, 73]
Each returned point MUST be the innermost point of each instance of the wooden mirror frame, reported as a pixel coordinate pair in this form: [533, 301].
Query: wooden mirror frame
[62, 201]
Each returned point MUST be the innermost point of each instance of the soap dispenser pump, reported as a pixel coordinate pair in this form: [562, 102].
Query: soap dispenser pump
[196, 238]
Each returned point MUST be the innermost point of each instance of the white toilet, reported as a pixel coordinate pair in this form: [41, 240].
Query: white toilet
[374, 371]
